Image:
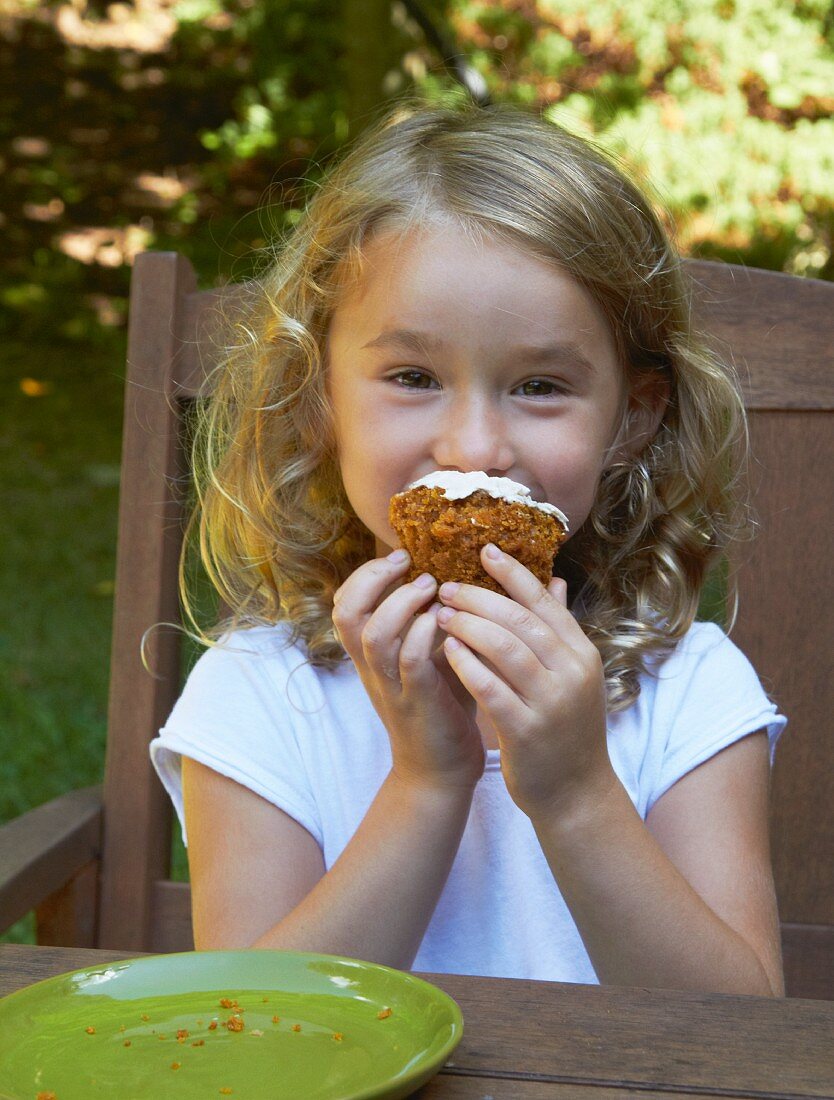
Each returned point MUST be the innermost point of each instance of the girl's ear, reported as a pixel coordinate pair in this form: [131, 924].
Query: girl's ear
[647, 403]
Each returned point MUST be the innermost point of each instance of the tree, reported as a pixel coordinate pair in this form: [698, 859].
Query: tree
[372, 58]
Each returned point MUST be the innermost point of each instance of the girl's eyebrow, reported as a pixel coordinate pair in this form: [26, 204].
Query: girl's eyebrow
[566, 353]
[406, 338]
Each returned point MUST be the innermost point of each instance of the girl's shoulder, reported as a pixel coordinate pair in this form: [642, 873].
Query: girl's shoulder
[701, 698]
[702, 640]
[260, 640]
[706, 669]
[275, 644]
[250, 651]
[254, 709]
[263, 657]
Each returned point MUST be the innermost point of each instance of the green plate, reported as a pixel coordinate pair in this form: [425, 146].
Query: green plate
[303, 1027]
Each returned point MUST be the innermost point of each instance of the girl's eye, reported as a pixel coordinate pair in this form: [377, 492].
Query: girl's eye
[540, 387]
[413, 379]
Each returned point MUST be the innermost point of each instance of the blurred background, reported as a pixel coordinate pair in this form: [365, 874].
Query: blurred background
[201, 125]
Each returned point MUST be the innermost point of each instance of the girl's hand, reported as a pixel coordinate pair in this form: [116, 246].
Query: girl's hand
[528, 664]
[429, 717]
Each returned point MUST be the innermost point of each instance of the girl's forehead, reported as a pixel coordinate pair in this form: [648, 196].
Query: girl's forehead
[454, 280]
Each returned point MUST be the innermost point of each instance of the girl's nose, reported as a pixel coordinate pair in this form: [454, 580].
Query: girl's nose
[473, 435]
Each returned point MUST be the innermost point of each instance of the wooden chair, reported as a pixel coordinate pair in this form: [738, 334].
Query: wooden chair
[95, 863]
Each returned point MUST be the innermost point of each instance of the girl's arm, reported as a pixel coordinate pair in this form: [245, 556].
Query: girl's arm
[683, 900]
[258, 877]
[377, 899]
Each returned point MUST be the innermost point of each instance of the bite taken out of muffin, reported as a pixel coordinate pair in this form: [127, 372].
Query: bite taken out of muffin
[446, 518]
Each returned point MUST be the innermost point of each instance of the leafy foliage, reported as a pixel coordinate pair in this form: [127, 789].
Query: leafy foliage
[726, 106]
[289, 100]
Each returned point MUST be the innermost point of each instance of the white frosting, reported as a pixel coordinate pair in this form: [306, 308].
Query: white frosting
[457, 485]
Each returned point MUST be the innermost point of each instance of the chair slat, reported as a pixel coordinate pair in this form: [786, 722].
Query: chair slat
[778, 328]
[785, 628]
[137, 810]
[70, 914]
[209, 317]
[808, 955]
[171, 925]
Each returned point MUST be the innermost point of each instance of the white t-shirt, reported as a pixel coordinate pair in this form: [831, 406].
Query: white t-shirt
[309, 741]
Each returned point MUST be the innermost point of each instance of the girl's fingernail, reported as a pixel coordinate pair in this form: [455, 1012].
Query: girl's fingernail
[452, 643]
[425, 580]
[492, 551]
[398, 557]
[449, 589]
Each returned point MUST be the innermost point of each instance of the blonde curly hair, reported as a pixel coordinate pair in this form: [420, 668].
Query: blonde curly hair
[277, 534]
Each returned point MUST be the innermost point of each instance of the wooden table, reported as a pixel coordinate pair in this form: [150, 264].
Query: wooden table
[546, 1041]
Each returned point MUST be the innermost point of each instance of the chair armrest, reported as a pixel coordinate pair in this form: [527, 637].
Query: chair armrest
[42, 850]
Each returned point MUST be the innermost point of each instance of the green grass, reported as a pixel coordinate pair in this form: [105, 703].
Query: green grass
[59, 479]
[59, 484]
[59, 471]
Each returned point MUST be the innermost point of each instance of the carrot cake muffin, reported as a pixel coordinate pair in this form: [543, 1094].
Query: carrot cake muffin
[445, 519]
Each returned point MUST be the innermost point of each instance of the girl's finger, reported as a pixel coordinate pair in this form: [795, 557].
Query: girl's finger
[360, 594]
[532, 629]
[417, 672]
[363, 586]
[381, 637]
[558, 589]
[514, 661]
[546, 615]
[488, 690]
[521, 586]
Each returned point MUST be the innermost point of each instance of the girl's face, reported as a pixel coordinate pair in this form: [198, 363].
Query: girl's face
[455, 355]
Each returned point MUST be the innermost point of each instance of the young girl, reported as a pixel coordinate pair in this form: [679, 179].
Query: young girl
[567, 782]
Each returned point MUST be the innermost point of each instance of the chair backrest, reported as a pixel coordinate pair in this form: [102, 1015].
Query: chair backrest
[780, 331]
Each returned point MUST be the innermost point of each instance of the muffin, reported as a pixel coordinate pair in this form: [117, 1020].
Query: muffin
[446, 518]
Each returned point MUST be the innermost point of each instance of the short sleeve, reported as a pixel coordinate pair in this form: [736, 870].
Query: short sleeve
[707, 697]
[238, 714]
